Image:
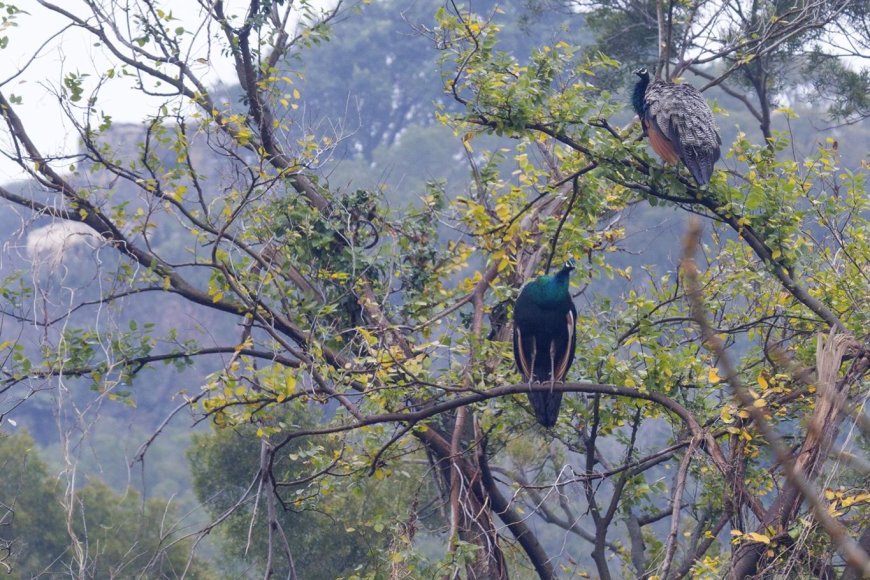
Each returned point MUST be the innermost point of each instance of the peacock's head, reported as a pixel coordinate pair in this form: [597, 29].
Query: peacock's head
[563, 274]
[637, 95]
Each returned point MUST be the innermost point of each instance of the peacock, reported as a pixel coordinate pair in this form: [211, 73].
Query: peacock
[679, 124]
[544, 338]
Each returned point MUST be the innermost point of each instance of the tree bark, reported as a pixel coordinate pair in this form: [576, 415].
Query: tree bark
[474, 521]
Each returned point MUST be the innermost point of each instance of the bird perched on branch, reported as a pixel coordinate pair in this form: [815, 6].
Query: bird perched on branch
[544, 338]
[679, 124]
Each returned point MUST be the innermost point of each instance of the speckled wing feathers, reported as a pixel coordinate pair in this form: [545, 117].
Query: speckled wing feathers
[684, 118]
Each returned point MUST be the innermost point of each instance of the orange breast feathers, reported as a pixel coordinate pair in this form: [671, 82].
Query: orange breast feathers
[663, 146]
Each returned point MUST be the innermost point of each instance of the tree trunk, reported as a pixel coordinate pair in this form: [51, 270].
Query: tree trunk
[474, 524]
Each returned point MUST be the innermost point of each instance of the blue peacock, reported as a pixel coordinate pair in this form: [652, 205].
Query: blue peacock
[544, 338]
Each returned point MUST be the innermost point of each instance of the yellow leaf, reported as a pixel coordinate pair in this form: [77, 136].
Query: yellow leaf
[850, 501]
[762, 382]
[713, 376]
[756, 537]
[759, 403]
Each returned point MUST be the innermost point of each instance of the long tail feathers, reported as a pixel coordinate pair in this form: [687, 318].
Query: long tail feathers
[701, 172]
[700, 163]
[546, 406]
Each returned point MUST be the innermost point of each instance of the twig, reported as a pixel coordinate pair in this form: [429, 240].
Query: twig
[677, 501]
[575, 190]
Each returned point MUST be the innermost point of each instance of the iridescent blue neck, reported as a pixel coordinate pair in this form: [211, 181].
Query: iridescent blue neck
[552, 289]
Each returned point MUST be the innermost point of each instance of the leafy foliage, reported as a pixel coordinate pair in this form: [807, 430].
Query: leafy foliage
[351, 515]
[119, 534]
[361, 388]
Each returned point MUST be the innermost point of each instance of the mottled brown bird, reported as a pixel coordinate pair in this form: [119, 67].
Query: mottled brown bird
[679, 124]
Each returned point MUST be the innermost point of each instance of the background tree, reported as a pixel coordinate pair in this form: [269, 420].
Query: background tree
[115, 535]
[765, 54]
[356, 526]
[392, 319]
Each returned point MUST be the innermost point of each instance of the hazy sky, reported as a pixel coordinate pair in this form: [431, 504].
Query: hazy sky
[72, 51]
